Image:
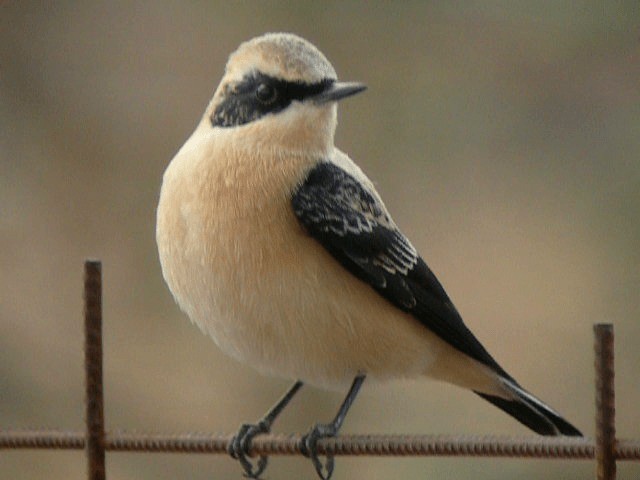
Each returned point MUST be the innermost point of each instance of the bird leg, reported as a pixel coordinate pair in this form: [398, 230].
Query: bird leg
[240, 444]
[309, 443]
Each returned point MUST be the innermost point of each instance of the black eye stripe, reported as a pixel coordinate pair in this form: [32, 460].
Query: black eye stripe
[240, 104]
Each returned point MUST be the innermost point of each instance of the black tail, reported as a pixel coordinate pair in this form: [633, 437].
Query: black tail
[531, 412]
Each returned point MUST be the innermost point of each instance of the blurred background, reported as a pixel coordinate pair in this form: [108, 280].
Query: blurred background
[504, 137]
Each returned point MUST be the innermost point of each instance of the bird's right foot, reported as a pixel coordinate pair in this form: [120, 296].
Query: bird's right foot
[240, 446]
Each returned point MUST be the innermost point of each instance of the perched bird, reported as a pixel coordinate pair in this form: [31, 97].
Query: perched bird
[278, 246]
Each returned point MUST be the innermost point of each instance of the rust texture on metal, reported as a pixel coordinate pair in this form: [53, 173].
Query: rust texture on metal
[605, 403]
[373, 445]
[95, 435]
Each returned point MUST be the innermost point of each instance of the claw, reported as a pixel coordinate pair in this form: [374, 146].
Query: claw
[309, 448]
[241, 444]
[309, 443]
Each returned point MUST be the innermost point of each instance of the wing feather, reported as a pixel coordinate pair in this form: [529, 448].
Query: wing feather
[352, 224]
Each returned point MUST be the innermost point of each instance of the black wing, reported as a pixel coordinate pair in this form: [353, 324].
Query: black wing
[353, 225]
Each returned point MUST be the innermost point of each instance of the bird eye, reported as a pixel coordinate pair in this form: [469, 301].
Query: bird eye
[266, 93]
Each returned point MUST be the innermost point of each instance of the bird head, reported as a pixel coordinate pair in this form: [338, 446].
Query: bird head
[279, 91]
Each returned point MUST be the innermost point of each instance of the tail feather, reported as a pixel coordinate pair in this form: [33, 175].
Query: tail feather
[532, 412]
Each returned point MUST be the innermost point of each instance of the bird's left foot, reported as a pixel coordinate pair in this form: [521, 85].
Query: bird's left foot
[241, 444]
[309, 448]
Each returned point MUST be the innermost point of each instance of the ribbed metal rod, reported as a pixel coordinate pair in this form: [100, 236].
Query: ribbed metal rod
[95, 435]
[605, 403]
[372, 445]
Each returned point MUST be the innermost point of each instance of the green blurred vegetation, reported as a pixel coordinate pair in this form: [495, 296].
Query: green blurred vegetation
[504, 137]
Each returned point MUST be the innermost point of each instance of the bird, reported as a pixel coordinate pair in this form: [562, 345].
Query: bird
[278, 246]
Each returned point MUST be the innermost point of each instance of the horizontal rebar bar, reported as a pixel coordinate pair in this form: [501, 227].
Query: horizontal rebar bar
[374, 445]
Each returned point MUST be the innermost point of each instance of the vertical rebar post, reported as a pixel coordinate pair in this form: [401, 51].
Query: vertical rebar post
[95, 437]
[605, 403]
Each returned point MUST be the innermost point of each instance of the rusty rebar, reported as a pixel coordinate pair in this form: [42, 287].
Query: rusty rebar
[41, 439]
[605, 403]
[95, 435]
[371, 445]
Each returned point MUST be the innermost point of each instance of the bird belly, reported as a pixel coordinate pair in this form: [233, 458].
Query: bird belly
[301, 316]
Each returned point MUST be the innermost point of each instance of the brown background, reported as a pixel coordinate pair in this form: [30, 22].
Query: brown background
[504, 137]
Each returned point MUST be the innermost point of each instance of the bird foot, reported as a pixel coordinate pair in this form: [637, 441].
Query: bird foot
[241, 444]
[309, 448]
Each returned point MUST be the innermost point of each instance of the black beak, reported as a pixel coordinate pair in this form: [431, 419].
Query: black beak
[337, 91]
